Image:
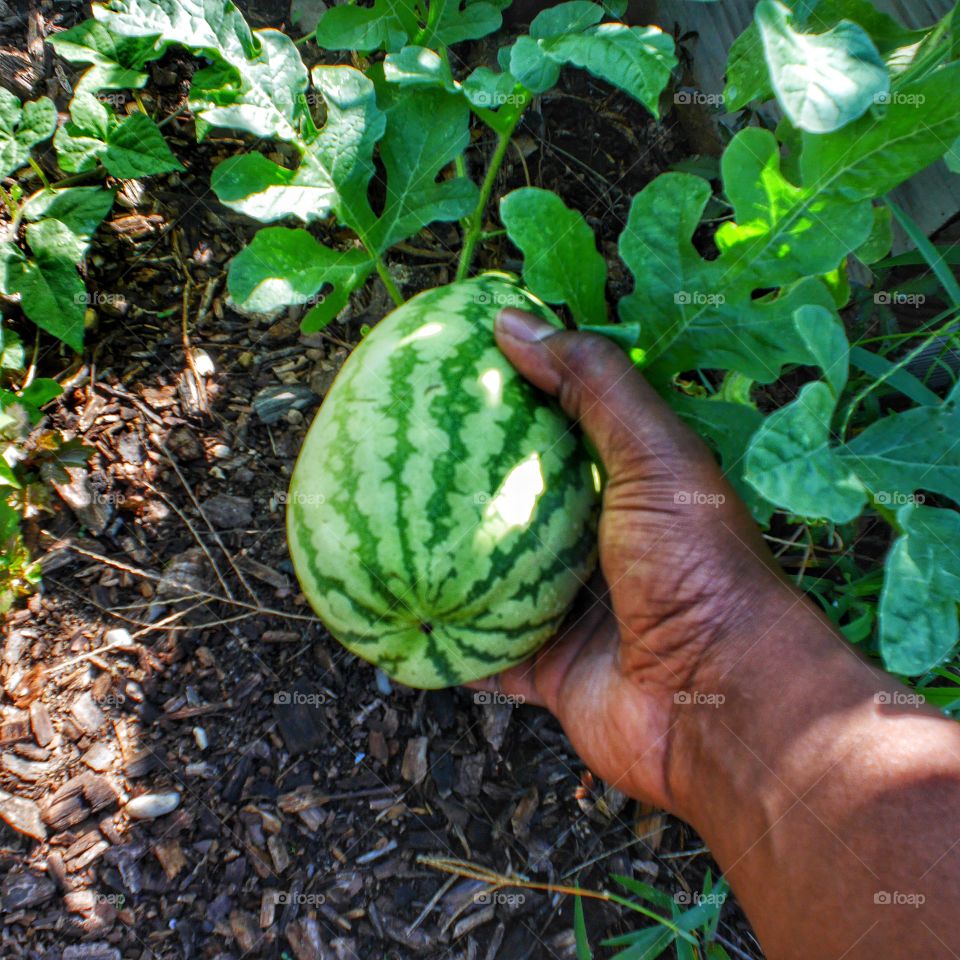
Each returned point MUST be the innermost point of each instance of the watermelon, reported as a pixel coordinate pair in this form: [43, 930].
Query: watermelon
[442, 513]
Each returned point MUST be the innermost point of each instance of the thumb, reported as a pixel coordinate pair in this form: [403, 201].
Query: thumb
[633, 430]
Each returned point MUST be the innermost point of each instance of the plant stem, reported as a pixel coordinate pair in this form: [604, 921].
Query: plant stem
[475, 227]
[8, 202]
[40, 173]
[32, 369]
[176, 113]
[395, 295]
[459, 164]
[96, 172]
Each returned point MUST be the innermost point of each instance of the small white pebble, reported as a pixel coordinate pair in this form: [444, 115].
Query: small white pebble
[149, 806]
[120, 636]
[200, 736]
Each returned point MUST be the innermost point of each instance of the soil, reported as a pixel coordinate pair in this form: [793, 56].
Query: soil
[191, 766]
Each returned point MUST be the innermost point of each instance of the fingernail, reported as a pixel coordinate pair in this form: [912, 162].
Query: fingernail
[523, 326]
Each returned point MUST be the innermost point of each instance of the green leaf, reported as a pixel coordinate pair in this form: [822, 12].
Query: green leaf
[471, 22]
[748, 78]
[7, 478]
[915, 129]
[12, 354]
[91, 116]
[282, 267]
[574, 16]
[624, 335]
[952, 156]
[532, 67]
[41, 391]
[791, 463]
[782, 231]
[900, 379]
[638, 60]
[885, 32]
[264, 96]
[930, 253]
[336, 166]
[921, 589]
[909, 451]
[118, 61]
[419, 67]
[698, 313]
[825, 81]
[22, 128]
[387, 25]
[81, 141]
[52, 240]
[82, 209]
[10, 259]
[53, 297]
[426, 130]
[823, 335]
[561, 263]
[136, 148]
[646, 944]
[488, 90]
[580, 931]
[645, 891]
[728, 427]
[878, 244]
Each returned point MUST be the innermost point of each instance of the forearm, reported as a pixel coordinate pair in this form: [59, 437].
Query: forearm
[822, 789]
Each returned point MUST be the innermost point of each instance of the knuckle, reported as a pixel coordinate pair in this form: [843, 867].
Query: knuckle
[589, 364]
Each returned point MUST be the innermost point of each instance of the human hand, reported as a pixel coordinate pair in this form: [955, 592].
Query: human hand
[682, 563]
[696, 678]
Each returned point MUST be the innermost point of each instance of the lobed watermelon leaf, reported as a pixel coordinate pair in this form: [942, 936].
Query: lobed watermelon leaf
[561, 262]
[117, 61]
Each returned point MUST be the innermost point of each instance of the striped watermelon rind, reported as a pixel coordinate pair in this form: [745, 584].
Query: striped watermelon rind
[442, 513]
